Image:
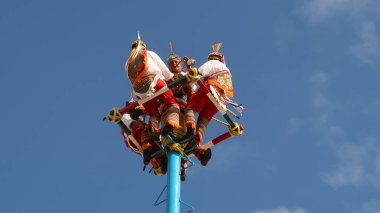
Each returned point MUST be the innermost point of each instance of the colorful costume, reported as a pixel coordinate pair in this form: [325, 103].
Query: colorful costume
[182, 92]
[148, 73]
[135, 140]
[217, 79]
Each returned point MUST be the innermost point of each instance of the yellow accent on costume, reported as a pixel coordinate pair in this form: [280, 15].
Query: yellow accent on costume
[194, 77]
[235, 130]
[177, 148]
[223, 81]
[114, 115]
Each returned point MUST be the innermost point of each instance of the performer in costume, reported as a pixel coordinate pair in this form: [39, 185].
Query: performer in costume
[217, 78]
[182, 92]
[135, 125]
[148, 73]
[138, 132]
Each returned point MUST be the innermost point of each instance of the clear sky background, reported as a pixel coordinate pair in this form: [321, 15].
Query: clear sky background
[308, 72]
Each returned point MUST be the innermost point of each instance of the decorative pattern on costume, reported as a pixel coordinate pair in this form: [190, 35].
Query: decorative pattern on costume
[201, 126]
[223, 81]
[171, 117]
[190, 117]
[142, 85]
[136, 64]
[179, 133]
[137, 71]
[154, 120]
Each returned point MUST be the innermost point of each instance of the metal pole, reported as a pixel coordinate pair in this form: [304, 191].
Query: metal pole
[173, 183]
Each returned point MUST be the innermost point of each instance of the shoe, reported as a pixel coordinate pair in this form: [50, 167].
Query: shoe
[168, 129]
[153, 131]
[164, 164]
[193, 142]
[146, 157]
[204, 156]
[190, 132]
[183, 174]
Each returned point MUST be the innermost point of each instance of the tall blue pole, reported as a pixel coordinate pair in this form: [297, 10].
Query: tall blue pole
[173, 183]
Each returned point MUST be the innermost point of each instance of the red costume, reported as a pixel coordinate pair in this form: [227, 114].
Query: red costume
[134, 141]
[217, 79]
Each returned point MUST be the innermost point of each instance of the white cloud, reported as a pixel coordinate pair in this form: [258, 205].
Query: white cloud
[281, 210]
[358, 164]
[357, 160]
[324, 107]
[320, 10]
[368, 48]
[355, 12]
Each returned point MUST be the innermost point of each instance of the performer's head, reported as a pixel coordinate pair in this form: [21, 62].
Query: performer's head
[174, 63]
[137, 42]
[216, 55]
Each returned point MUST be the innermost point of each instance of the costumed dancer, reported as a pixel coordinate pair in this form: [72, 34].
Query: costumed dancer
[148, 73]
[133, 137]
[182, 92]
[135, 126]
[217, 78]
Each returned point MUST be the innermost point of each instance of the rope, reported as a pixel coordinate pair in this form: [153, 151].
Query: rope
[232, 113]
[219, 121]
[234, 131]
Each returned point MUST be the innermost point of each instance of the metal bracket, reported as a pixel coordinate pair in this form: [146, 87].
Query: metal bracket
[157, 202]
[188, 205]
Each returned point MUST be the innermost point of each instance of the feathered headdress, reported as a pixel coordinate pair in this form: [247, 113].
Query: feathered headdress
[136, 47]
[216, 55]
[172, 56]
[138, 42]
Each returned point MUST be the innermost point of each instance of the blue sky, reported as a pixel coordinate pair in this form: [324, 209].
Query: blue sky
[308, 72]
